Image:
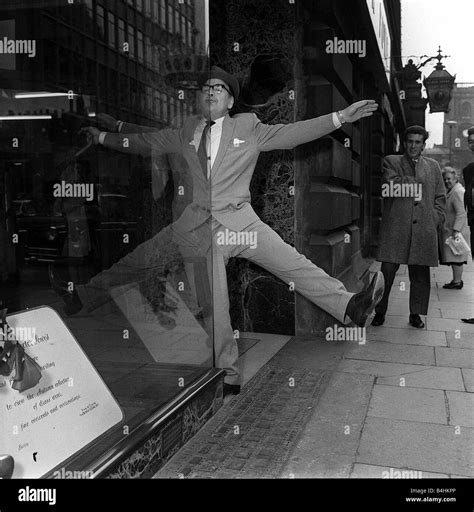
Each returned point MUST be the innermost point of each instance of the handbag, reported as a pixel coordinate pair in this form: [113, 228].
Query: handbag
[458, 245]
[13, 357]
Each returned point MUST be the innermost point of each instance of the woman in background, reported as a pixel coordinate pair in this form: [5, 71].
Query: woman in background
[455, 223]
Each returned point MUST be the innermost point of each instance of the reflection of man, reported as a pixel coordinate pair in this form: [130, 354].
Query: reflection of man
[221, 152]
[411, 215]
[468, 174]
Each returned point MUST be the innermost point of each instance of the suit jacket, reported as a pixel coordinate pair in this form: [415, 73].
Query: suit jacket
[226, 195]
[409, 229]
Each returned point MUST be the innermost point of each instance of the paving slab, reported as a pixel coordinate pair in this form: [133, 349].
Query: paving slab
[413, 375]
[409, 336]
[424, 446]
[461, 408]
[456, 310]
[410, 404]
[468, 377]
[311, 352]
[328, 444]
[370, 471]
[449, 324]
[454, 357]
[392, 353]
[460, 339]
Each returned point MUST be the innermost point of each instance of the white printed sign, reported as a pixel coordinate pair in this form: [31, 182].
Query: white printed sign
[69, 408]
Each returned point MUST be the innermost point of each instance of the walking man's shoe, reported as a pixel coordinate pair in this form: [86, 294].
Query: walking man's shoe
[468, 320]
[454, 286]
[361, 307]
[379, 319]
[72, 302]
[416, 321]
[231, 389]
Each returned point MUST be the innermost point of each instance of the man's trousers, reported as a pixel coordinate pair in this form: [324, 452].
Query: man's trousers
[419, 287]
[269, 251]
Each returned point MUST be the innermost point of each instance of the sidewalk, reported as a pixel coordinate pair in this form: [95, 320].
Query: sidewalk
[403, 401]
[399, 406]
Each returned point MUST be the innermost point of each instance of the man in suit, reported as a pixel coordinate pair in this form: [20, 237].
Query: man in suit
[221, 152]
[414, 199]
[468, 175]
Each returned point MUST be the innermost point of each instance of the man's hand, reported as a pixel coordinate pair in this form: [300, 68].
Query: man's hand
[109, 123]
[356, 111]
[91, 133]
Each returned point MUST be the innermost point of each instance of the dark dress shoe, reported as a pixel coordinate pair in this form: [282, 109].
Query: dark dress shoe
[468, 320]
[379, 319]
[416, 321]
[231, 389]
[454, 286]
[361, 307]
[7, 464]
[72, 302]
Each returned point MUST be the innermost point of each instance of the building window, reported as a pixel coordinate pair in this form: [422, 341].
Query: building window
[100, 12]
[124, 99]
[149, 101]
[190, 33]
[466, 110]
[177, 26]
[121, 33]
[139, 5]
[148, 8]
[89, 8]
[170, 18]
[183, 29]
[156, 10]
[130, 2]
[111, 29]
[140, 45]
[164, 107]
[131, 41]
[163, 13]
[157, 104]
[156, 58]
[148, 52]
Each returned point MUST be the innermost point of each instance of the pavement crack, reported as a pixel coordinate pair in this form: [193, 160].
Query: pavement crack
[446, 404]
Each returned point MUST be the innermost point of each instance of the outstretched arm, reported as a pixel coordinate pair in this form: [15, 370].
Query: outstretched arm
[163, 141]
[288, 136]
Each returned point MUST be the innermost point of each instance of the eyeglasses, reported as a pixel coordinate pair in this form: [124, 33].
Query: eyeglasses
[217, 88]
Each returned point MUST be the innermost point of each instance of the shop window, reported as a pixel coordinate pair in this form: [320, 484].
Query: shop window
[145, 335]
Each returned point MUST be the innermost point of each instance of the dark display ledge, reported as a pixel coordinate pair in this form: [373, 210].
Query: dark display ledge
[141, 452]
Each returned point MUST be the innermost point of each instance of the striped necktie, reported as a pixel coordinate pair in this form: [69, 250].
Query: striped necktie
[204, 159]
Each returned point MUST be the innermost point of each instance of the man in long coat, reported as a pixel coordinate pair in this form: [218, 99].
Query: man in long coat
[413, 207]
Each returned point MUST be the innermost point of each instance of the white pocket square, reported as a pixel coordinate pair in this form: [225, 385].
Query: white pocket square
[237, 142]
[192, 143]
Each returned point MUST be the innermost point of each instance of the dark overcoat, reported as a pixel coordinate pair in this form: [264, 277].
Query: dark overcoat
[409, 228]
